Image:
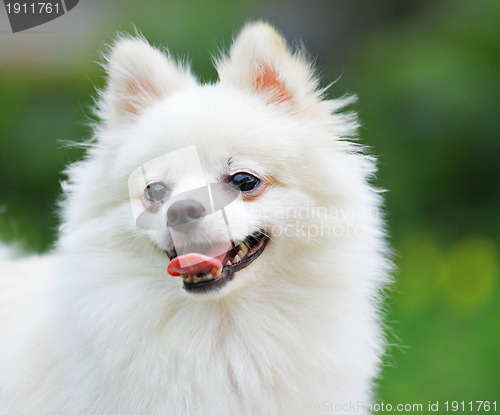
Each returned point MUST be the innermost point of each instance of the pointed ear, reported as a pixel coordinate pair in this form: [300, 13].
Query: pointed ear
[138, 76]
[260, 61]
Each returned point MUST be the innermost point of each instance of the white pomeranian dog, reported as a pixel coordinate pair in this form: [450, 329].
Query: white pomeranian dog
[221, 251]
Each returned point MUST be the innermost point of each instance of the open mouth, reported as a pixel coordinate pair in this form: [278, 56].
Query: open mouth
[203, 273]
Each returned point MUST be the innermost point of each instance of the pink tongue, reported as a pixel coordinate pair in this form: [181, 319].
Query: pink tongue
[193, 264]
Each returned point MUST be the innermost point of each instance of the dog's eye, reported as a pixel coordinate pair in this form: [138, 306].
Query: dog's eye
[244, 182]
[155, 192]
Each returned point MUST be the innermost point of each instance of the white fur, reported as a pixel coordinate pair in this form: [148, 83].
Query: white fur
[101, 328]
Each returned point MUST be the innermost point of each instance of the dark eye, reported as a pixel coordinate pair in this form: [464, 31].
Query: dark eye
[155, 192]
[244, 182]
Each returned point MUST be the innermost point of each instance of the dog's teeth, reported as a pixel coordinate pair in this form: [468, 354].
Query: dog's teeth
[241, 254]
[213, 270]
[243, 248]
[198, 278]
[236, 259]
[228, 263]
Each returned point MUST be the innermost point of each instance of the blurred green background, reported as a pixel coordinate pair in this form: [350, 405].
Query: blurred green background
[427, 75]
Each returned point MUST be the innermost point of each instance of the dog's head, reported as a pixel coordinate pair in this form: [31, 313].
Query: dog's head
[220, 177]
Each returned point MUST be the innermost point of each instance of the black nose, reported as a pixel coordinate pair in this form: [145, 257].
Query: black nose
[184, 211]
